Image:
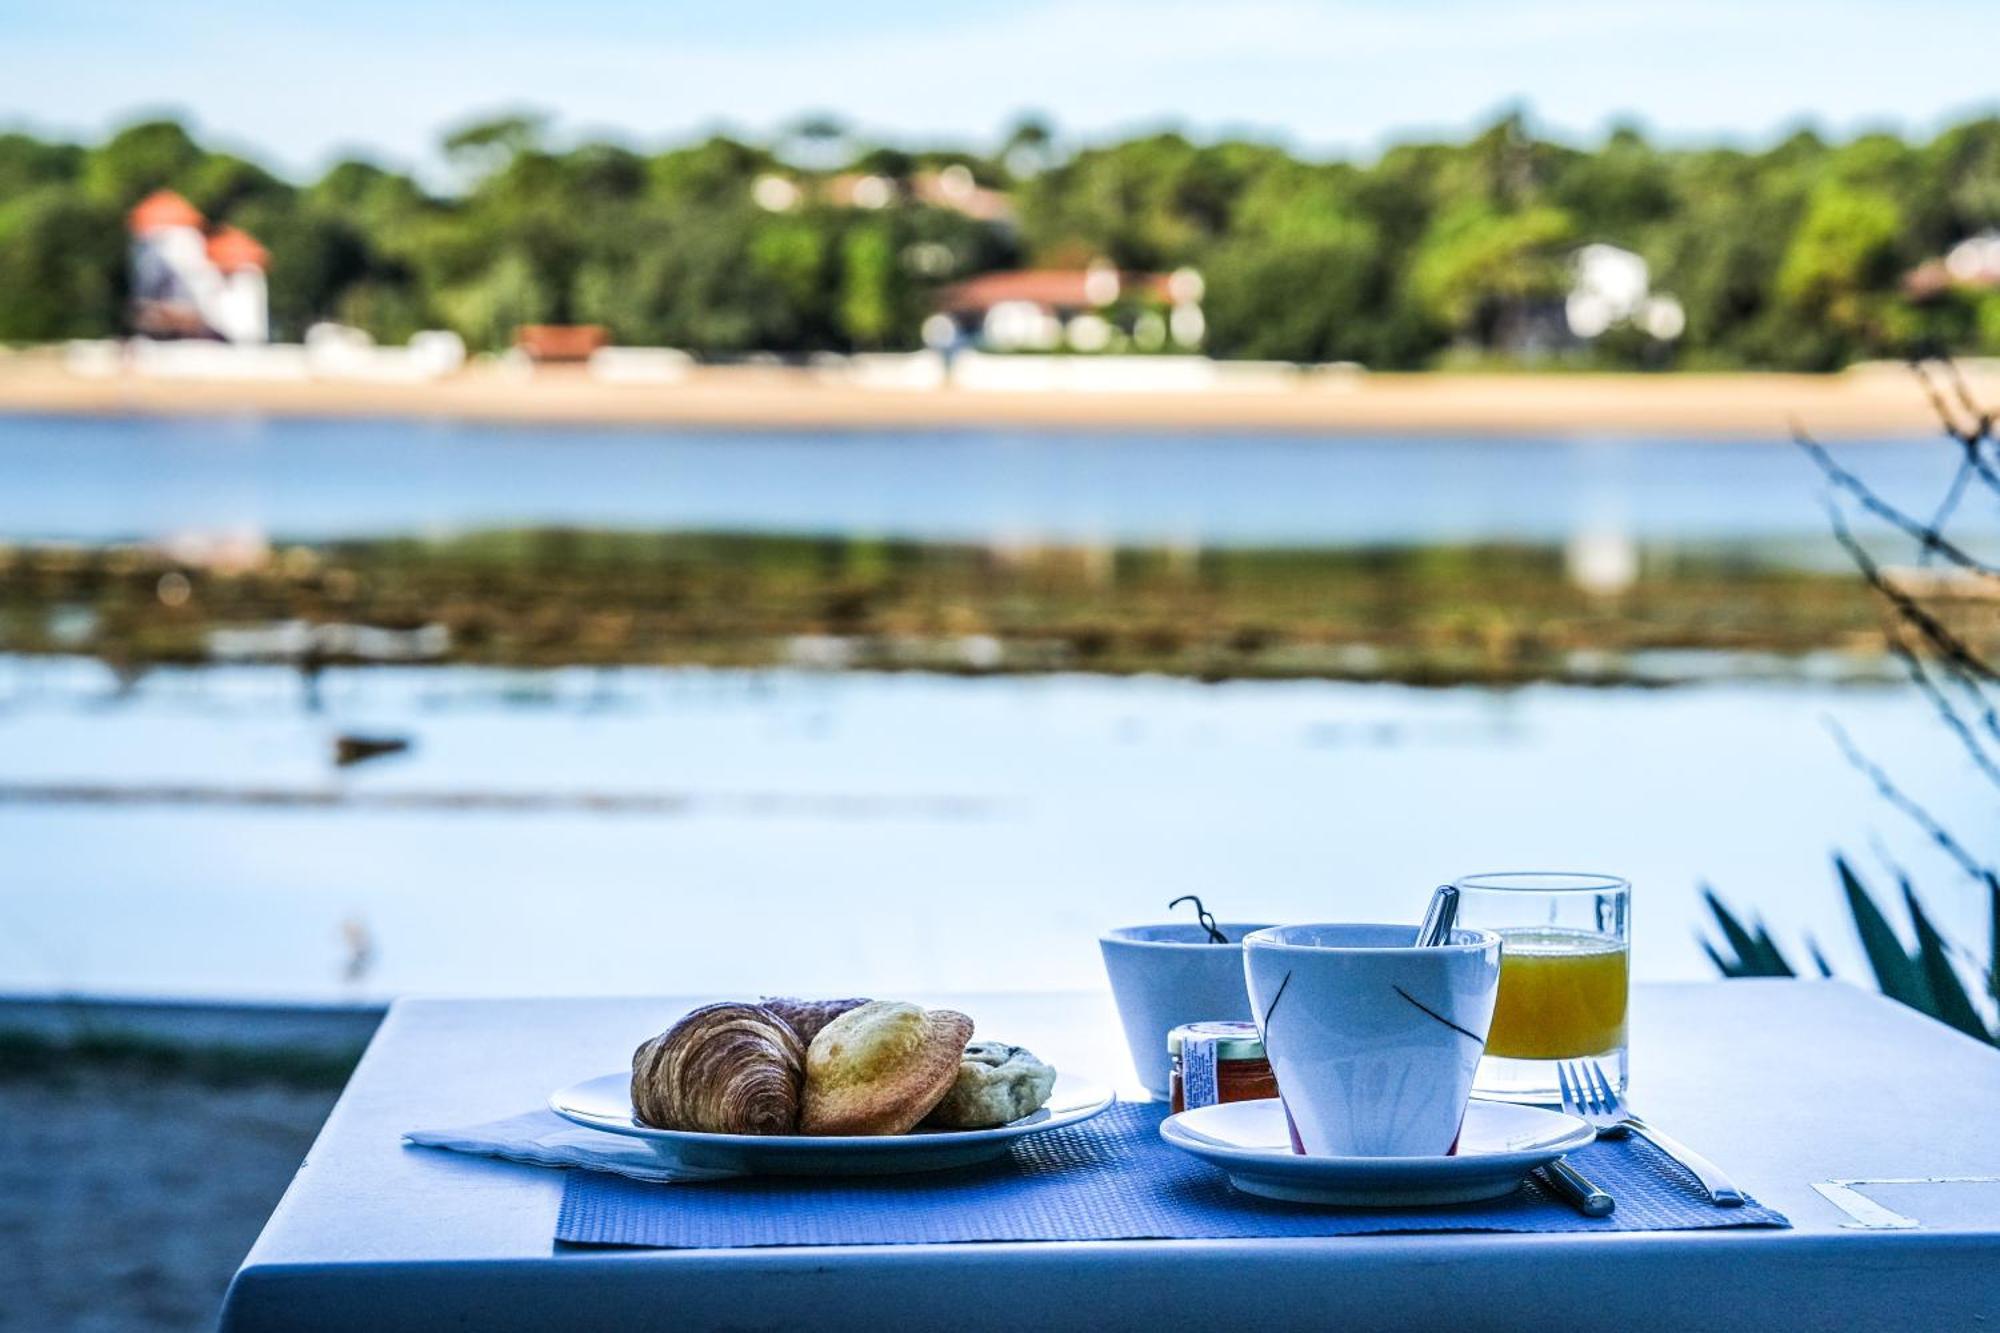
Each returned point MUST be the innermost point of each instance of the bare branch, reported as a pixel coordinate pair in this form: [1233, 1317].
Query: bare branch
[1926, 537]
[1954, 660]
[1921, 817]
[1965, 953]
[1948, 645]
[1974, 436]
[1965, 397]
[1981, 416]
[1949, 505]
[1927, 379]
[1947, 712]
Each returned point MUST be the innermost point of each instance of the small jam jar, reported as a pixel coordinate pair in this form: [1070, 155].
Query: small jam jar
[1218, 1062]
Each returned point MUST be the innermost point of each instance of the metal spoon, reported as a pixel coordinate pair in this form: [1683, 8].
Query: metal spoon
[1438, 918]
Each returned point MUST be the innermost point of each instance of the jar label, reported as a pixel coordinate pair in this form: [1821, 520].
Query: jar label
[1198, 1080]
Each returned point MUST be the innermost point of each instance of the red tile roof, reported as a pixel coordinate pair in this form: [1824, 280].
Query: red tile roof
[561, 342]
[163, 208]
[1060, 289]
[230, 249]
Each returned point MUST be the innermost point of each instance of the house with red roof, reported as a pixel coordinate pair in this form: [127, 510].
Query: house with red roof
[191, 280]
[1095, 309]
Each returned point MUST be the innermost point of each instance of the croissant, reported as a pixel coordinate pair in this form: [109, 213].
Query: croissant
[807, 1017]
[723, 1069]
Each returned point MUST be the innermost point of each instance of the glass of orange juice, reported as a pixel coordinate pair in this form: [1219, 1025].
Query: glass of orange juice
[1565, 976]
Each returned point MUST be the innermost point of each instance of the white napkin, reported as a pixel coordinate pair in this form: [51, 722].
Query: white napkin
[543, 1138]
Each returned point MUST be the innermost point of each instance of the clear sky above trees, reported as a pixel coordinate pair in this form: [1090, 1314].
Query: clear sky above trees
[300, 84]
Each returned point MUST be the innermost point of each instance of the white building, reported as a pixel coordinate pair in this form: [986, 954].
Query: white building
[1975, 261]
[1612, 285]
[189, 281]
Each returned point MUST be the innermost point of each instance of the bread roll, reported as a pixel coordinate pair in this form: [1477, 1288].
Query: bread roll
[997, 1084]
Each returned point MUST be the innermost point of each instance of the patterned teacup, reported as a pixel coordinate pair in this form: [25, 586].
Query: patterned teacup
[1374, 1041]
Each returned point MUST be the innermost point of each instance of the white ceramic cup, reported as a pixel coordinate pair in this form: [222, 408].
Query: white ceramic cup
[1166, 975]
[1374, 1042]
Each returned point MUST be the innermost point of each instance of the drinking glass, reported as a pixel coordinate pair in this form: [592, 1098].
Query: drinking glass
[1565, 976]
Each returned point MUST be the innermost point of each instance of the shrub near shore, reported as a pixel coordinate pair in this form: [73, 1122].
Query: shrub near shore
[1439, 615]
[1806, 255]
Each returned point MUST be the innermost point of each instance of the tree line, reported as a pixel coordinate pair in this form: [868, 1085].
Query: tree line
[1792, 257]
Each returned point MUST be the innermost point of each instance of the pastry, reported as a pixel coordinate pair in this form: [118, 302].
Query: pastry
[996, 1085]
[723, 1069]
[879, 1069]
[807, 1017]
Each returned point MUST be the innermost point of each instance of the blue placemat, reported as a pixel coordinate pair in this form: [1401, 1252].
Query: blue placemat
[1111, 1178]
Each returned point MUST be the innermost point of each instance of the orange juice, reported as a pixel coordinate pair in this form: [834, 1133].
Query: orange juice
[1562, 994]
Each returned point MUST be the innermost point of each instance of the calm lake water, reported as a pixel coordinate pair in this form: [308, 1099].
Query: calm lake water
[890, 833]
[98, 479]
[684, 830]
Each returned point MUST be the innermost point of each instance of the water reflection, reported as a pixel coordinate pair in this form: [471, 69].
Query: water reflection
[809, 820]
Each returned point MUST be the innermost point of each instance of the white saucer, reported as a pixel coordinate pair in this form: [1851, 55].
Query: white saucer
[606, 1103]
[1497, 1146]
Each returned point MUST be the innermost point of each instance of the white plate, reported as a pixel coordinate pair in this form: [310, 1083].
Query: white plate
[606, 1103]
[1498, 1145]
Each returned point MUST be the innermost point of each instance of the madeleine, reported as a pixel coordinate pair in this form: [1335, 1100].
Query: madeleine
[881, 1068]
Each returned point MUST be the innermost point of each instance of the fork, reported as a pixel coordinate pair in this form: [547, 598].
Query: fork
[1589, 1096]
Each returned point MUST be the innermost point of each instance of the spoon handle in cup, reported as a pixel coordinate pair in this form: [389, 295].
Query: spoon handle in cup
[1439, 918]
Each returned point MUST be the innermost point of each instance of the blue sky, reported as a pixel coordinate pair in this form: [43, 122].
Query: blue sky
[302, 83]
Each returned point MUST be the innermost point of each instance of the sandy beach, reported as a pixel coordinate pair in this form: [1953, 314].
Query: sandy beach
[128, 1198]
[1873, 400]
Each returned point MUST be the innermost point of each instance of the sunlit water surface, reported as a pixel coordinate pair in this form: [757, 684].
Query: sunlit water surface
[96, 479]
[1005, 822]
[789, 831]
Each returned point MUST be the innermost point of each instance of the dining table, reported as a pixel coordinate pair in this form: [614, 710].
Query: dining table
[1868, 1125]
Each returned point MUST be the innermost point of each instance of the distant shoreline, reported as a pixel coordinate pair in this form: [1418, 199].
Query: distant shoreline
[1874, 400]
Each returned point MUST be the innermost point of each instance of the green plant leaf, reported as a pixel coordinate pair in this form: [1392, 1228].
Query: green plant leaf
[1768, 951]
[1756, 955]
[1819, 959]
[1951, 1004]
[1896, 973]
[1726, 968]
[1993, 945]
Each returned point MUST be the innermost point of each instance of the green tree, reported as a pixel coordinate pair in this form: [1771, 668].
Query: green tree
[1479, 269]
[62, 266]
[481, 147]
[1306, 276]
[816, 140]
[221, 185]
[152, 155]
[317, 257]
[509, 293]
[867, 286]
[26, 162]
[1789, 257]
[1028, 146]
[1838, 273]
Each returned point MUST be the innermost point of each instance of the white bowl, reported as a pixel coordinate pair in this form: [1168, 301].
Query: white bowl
[1165, 975]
